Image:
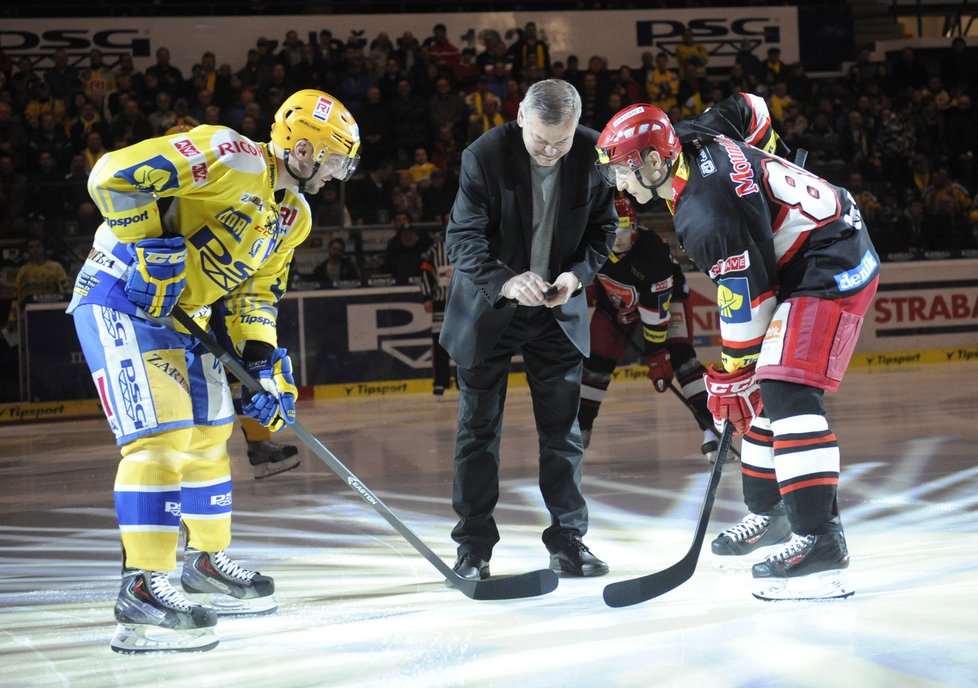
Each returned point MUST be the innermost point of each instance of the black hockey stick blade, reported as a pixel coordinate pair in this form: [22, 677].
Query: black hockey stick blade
[635, 590]
[530, 584]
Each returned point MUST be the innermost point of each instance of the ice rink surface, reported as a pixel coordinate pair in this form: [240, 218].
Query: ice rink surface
[360, 607]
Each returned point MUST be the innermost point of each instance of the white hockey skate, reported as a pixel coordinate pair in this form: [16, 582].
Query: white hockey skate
[211, 578]
[153, 617]
[810, 567]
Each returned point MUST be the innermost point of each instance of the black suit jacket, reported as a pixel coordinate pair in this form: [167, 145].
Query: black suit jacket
[490, 230]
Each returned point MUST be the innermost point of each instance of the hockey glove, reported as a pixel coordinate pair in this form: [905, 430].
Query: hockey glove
[733, 396]
[274, 407]
[157, 274]
[660, 370]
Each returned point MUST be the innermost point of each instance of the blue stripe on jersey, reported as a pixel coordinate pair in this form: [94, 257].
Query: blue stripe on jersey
[148, 508]
[207, 500]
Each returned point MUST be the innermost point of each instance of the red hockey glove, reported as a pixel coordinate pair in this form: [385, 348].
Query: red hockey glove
[733, 396]
[660, 370]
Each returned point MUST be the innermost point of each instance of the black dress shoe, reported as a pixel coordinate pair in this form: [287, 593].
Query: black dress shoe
[471, 567]
[574, 558]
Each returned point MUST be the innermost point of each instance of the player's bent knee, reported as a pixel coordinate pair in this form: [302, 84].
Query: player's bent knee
[786, 399]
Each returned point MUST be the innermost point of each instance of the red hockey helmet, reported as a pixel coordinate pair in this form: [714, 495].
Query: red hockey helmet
[631, 131]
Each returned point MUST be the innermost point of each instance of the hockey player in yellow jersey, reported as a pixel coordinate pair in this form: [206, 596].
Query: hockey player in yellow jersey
[192, 219]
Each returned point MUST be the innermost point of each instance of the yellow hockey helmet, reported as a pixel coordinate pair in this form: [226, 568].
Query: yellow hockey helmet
[325, 122]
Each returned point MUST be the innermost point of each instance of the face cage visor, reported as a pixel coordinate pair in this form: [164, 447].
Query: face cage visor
[613, 173]
[341, 167]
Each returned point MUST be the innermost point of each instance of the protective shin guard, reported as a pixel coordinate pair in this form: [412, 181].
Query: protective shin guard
[147, 499]
[206, 489]
[757, 468]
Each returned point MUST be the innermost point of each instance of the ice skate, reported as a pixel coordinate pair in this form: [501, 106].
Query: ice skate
[810, 567]
[268, 458]
[153, 617]
[231, 590]
[754, 532]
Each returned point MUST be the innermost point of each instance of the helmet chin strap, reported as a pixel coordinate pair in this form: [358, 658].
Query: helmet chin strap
[295, 175]
[654, 188]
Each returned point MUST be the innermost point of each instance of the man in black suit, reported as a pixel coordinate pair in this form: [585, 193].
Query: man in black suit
[530, 226]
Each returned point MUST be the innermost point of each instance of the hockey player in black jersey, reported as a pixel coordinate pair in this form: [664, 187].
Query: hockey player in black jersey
[641, 284]
[795, 272]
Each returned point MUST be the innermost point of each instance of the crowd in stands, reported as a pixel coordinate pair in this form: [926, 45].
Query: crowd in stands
[900, 133]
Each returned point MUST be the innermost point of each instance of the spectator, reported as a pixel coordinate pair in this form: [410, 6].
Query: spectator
[369, 197]
[308, 72]
[907, 72]
[774, 69]
[254, 73]
[406, 52]
[442, 51]
[93, 151]
[410, 119]
[131, 125]
[446, 152]
[961, 137]
[39, 279]
[41, 102]
[422, 168]
[354, 85]
[329, 210]
[337, 267]
[489, 119]
[170, 78]
[511, 103]
[97, 80]
[162, 113]
[662, 84]
[445, 106]
[62, 78]
[388, 81]
[438, 195]
[375, 125]
[402, 259]
[692, 53]
[51, 137]
[405, 195]
[466, 73]
[291, 53]
[378, 54]
[529, 50]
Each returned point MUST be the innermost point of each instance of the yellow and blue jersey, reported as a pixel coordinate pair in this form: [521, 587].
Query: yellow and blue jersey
[215, 188]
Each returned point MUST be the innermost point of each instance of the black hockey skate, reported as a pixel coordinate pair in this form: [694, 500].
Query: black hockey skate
[810, 567]
[268, 458]
[153, 617]
[231, 590]
[754, 532]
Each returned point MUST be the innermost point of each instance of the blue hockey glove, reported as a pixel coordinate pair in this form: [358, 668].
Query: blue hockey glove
[157, 275]
[274, 407]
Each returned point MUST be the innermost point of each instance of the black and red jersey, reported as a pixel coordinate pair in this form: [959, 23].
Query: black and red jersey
[640, 285]
[762, 228]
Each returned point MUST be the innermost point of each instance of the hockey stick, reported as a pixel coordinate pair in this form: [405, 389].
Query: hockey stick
[530, 584]
[629, 592]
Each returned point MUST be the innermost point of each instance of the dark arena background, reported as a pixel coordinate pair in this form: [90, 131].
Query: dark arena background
[879, 93]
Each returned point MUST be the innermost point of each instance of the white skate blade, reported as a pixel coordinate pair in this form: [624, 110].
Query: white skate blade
[825, 585]
[226, 605]
[270, 468]
[132, 639]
